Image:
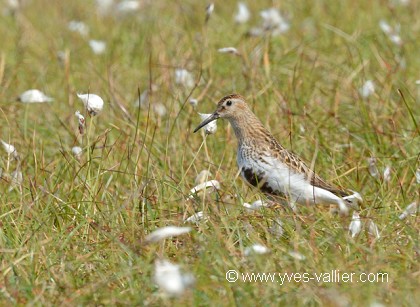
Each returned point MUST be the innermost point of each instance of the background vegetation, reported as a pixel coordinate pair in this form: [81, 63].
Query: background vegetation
[73, 231]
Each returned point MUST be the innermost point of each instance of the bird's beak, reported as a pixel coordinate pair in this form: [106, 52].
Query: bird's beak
[209, 119]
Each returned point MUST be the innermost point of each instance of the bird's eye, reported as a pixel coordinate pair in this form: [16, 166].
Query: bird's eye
[229, 103]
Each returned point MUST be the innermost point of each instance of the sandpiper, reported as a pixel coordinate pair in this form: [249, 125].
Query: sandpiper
[267, 165]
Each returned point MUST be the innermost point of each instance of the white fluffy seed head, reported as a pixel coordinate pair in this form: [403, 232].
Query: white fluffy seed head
[243, 14]
[231, 50]
[159, 109]
[16, 179]
[104, 7]
[411, 209]
[203, 176]
[355, 225]
[373, 170]
[10, 149]
[256, 249]
[97, 46]
[396, 39]
[209, 11]
[92, 102]
[34, 96]
[184, 77]
[273, 21]
[170, 279]
[212, 185]
[256, 205]
[373, 230]
[143, 100]
[127, 7]
[79, 27]
[193, 102]
[166, 232]
[81, 121]
[385, 27]
[297, 256]
[77, 151]
[196, 218]
[387, 174]
[391, 32]
[211, 127]
[367, 89]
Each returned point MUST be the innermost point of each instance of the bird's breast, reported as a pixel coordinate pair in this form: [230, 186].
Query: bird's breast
[255, 171]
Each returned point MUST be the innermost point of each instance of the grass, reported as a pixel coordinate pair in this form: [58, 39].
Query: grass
[73, 232]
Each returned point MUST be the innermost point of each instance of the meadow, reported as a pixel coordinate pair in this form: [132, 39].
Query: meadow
[337, 82]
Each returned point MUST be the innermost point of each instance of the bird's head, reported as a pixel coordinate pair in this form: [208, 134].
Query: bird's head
[228, 107]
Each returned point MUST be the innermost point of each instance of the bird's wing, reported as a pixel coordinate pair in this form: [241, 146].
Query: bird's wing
[299, 166]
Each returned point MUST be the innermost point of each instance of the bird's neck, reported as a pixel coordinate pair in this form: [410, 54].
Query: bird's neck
[248, 128]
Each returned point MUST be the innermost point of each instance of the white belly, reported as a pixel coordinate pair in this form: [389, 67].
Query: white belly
[276, 176]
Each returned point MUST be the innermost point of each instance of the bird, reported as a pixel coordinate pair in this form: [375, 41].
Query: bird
[264, 163]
